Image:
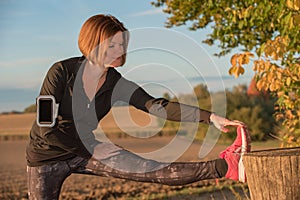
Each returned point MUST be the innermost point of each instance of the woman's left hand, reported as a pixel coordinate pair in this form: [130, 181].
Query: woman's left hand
[221, 122]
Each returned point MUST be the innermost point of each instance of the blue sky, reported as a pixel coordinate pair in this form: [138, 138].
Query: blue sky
[36, 33]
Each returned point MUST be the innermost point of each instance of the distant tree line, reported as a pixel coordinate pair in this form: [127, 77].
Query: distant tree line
[256, 110]
[30, 109]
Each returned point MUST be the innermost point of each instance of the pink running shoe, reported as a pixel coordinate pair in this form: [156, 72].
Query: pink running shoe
[233, 155]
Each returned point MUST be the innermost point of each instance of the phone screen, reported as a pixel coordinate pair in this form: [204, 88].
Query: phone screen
[45, 111]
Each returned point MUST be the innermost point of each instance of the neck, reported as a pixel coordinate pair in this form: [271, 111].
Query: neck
[94, 71]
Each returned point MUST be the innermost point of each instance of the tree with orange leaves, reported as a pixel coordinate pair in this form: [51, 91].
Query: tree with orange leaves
[269, 32]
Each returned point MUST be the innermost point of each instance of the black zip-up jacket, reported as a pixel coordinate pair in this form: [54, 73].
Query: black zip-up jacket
[78, 116]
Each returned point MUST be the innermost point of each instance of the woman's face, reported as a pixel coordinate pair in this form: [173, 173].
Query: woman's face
[115, 50]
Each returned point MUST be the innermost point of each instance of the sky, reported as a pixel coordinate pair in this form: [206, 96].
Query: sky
[34, 34]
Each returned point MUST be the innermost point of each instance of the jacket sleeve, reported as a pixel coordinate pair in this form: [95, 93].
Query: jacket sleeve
[63, 137]
[136, 96]
[55, 82]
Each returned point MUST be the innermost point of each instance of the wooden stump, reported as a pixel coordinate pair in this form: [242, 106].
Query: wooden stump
[273, 174]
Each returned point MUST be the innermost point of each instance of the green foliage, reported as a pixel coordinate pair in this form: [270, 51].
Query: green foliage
[30, 109]
[237, 98]
[255, 111]
[201, 91]
[247, 23]
[166, 96]
[271, 29]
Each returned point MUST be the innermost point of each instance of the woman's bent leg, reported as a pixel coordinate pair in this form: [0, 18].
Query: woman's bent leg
[129, 166]
[44, 182]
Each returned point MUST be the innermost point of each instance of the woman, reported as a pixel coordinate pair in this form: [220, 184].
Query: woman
[85, 88]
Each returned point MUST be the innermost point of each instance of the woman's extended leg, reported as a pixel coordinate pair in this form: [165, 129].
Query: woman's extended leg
[130, 166]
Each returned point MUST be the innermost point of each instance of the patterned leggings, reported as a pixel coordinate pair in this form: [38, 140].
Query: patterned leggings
[44, 182]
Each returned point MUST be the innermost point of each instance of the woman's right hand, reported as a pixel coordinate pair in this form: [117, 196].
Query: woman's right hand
[221, 122]
[105, 150]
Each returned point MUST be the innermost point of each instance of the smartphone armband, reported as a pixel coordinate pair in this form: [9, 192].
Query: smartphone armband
[46, 110]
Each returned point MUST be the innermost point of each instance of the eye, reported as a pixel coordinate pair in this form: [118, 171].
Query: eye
[111, 46]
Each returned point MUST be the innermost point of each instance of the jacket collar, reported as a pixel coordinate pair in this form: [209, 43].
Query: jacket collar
[112, 76]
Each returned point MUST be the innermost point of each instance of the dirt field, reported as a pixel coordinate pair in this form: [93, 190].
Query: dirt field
[13, 170]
